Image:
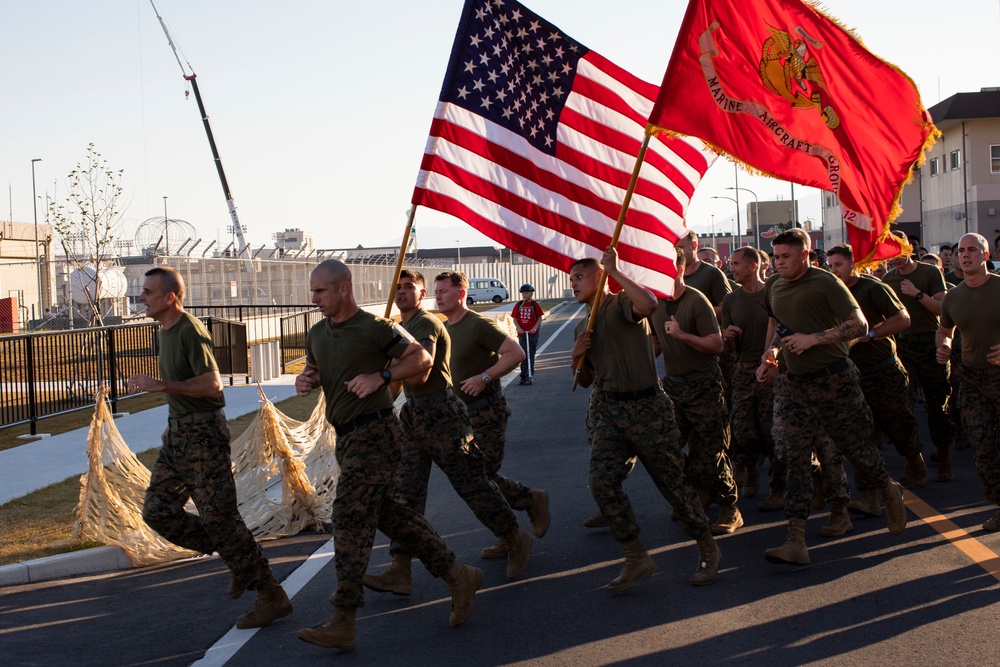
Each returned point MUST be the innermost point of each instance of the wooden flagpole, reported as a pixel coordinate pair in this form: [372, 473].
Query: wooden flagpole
[399, 262]
[614, 243]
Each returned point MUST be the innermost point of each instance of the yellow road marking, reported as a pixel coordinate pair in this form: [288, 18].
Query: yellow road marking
[966, 543]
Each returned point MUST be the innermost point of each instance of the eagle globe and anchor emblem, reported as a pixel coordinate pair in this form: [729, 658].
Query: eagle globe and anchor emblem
[788, 69]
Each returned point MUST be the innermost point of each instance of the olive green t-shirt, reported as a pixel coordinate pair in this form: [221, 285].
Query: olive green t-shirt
[815, 302]
[426, 328]
[344, 350]
[976, 313]
[878, 303]
[746, 310]
[695, 316]
[951, 279]
[475, 341]
[621, 353]
[929, 280]
[710, 281]
[186, 351]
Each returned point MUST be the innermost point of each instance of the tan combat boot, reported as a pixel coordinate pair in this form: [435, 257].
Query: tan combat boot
[638, 566]
[709, 558]
[518, 552]
[236, 588]
[463, 582]
[498, 550]
[895, 510]
[775, 501]
[335, 632]
[915, 472]
[729, 521]
[596, 521]
[539, 512]
[838, 523]
[398, 579]
[868, 504]
[793, 551]
[270, 605]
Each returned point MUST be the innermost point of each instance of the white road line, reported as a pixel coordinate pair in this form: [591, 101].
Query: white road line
[231, 642]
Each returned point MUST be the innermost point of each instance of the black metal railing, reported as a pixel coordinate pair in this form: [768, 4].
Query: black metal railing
[50, 373]
[292, 336]
[263, 323]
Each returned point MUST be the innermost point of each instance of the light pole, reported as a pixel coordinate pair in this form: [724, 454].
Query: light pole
[458, 247]
[756, 213]
[34, 209]
[166, 224]
[733, 246]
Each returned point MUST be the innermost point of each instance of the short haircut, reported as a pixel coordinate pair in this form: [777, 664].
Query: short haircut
[681, 262]
[587, 263]
[690, 236]
[844, 250]
[171, 280]
[711, 251]
[793, 237]
[457, 278]
[749, 253]
[415, 276]
[984, 245]
[934, 259]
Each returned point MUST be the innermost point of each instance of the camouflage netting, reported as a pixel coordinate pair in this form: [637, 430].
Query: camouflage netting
[297, 458]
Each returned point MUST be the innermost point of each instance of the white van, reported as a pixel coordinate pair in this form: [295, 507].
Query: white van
[487, 289]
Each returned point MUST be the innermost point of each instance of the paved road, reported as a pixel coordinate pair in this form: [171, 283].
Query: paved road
[868, 598]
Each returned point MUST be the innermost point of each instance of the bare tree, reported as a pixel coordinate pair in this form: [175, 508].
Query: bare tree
[87, 224]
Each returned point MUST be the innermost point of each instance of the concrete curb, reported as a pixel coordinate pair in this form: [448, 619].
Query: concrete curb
[72, 564]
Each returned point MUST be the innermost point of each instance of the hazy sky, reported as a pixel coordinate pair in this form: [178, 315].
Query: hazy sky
[321, 108]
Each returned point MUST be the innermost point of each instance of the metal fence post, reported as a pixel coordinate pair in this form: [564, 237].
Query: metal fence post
[33, 408]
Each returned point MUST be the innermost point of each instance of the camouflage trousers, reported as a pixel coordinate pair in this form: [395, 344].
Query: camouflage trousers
[750, 417]
[824, 449]
[195, 462]
[489, 424]
[592, 407]
[703, 422]
[643, 428]
[885, 391]
[441, 433]
[955, 379]
[919, 357]
[980, 400]
[831, 405]
[367, 500]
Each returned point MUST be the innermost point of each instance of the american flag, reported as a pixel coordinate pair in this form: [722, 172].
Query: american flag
[534, 141]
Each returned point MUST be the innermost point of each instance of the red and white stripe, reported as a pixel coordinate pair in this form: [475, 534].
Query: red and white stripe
[559, 209]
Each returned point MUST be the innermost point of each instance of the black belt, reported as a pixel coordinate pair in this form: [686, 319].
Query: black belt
[692, 377]
[836, 367]
[484, 401]
[648, 392]
[371, 417]
[195, 417]
[880, 366]
[421, 401]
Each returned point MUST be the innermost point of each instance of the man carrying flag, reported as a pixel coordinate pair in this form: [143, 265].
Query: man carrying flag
[534, 141]
[784, 89]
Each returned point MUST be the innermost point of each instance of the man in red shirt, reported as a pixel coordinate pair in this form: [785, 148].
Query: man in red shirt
[527, 316]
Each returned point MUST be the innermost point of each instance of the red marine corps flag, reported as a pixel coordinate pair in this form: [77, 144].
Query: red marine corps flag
[534, 141]
[788, 92]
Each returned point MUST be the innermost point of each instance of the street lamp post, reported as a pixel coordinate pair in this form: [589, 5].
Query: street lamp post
[733, 246]
[756, 213]
[458, 248]
[34, 209]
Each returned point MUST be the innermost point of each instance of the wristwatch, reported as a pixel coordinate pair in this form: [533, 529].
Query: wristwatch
[871, 334]
[386, 375]
[918, 296]
[486, 378]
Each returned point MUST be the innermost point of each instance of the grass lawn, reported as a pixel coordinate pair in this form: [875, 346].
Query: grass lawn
[41, 523]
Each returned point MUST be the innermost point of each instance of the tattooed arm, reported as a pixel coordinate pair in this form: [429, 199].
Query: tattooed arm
[853, 327]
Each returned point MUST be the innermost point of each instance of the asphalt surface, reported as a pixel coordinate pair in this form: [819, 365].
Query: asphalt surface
[868, 597]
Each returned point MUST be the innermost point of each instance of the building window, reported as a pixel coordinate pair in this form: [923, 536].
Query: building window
[995, 159]
[956, 160]
[934, 166]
